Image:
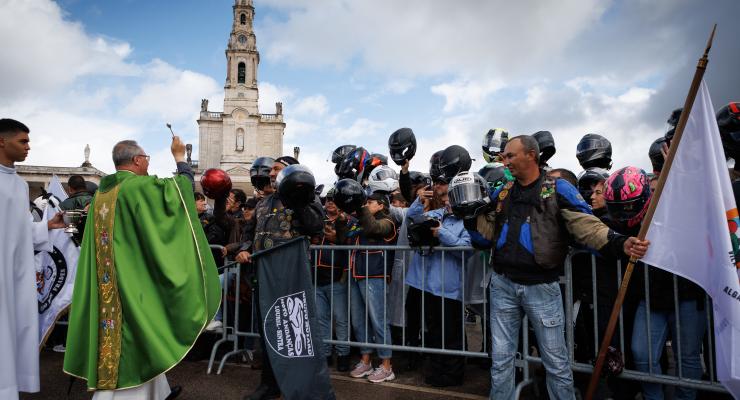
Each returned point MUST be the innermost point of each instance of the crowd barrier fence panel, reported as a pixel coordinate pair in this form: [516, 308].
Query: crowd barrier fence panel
[523, 360]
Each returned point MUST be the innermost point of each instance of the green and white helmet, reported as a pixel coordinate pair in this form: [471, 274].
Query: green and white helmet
[494, 142]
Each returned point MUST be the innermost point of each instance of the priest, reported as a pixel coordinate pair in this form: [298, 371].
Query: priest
[19, 237]
[146, 281]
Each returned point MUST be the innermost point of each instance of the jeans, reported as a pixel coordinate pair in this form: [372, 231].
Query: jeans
[693, 324]
[331, 301]
[370, 293]
[543, 306]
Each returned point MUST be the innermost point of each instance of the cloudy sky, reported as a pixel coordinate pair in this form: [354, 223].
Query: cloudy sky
[351, 72]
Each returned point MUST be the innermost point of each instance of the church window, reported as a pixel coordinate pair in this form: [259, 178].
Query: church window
[240, 139]
[241, 73]
[243, 19]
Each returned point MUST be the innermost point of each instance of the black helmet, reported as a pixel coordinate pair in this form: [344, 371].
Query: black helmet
[419, 178]
[402, 145]
[594, 151]
[728, 120]
[454, 159]
[435, 172]
[656, 155]
[588, 178]
[465, 192]
[340, 152]
[494, 142]
[295, 186]
[493, 173]
[546, 143]
[259, 172]
[672, 124]
[353, 163]
[349, 195]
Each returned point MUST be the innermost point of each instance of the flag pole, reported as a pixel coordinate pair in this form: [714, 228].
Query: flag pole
[688, 104]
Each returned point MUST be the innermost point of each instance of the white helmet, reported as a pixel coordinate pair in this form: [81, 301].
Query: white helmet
[466, 191]
[383, 178]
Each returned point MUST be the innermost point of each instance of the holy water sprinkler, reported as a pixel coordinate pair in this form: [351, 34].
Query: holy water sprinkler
[170, 126]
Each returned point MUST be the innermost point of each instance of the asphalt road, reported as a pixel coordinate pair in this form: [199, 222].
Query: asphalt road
[237, 378]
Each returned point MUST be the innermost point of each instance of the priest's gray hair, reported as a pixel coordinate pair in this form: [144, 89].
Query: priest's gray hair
[125, 151]
[530, 144]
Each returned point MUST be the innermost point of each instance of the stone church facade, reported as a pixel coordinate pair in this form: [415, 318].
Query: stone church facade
[231, 139]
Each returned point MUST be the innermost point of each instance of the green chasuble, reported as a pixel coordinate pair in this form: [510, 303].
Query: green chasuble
[146, 282]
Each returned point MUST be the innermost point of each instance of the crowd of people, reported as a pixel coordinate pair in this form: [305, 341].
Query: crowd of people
[515, 221]
[523, 217]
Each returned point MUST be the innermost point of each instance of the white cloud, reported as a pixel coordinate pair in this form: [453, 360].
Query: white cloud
[271, 94]
[50, 81]
[170, 94]
[466, 93]
[360, 128]
[43, 51]
[422, 37]
[312, 106]
[569, 112]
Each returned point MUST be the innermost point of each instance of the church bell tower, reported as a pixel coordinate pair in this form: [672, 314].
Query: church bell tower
[231, 139]
[242, 59]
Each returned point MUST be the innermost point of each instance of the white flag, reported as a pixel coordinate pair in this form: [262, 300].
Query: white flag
[55, 270]
[689, 232]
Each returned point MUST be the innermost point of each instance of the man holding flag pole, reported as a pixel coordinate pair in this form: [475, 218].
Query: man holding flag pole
[687, 225]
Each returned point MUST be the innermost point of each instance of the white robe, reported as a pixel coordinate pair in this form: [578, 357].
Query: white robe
[156, 389]
[19, 318]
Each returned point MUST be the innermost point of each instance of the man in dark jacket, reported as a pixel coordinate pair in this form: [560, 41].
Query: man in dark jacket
[530, 229]
[79, 197]
[276, 224]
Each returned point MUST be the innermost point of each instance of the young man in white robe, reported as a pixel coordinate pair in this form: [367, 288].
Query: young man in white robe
[19, 237]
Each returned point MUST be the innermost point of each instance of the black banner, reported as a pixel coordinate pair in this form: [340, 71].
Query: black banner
[286, 301]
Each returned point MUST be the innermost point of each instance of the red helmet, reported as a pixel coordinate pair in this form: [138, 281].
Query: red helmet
[627, 194]
[216, 183]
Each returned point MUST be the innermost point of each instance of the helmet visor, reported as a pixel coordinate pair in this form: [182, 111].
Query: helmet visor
[493, 144]
[624, 211]
[385, 173]
[589, 144]
[465, 193]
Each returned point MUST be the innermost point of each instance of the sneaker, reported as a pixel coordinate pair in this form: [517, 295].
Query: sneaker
[361, 370]
[59, 348]
[381, 374]
[215, 326]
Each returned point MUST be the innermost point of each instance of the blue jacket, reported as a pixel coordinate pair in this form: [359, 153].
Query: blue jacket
[431, 277]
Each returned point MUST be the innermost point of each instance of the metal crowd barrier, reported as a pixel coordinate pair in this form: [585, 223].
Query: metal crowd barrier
[232, 333]
[523, 360]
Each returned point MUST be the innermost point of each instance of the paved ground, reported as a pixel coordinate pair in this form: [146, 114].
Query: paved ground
[236, 379]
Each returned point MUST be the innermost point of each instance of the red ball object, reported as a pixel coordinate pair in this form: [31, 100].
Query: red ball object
[216, 183]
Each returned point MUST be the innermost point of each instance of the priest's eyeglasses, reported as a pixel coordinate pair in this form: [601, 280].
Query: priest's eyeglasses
[145, 156]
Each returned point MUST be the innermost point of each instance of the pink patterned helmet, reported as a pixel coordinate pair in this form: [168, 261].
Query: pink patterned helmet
[627, 195]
